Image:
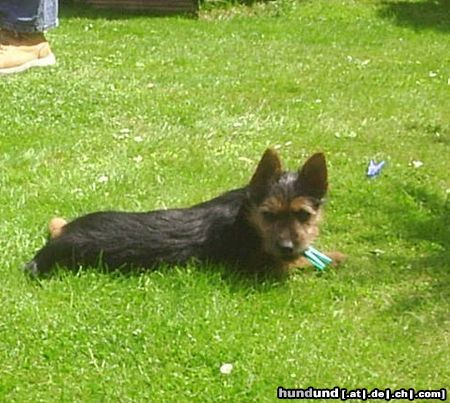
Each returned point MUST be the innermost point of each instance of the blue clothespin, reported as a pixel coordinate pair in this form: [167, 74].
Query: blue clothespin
[316, 258]
[374, 169]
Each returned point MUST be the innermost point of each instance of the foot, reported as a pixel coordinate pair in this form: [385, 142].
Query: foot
[19, 51]
[337, 257]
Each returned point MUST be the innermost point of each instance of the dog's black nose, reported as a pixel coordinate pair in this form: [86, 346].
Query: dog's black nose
[286, 247]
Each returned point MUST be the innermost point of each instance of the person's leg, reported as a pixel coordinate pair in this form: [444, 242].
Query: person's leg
[22, 41]
[28, 15]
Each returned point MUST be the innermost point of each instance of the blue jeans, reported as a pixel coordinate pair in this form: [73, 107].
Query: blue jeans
[28, 15]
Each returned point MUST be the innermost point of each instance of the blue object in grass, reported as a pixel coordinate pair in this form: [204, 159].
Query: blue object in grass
[374, 169]
[316, 258]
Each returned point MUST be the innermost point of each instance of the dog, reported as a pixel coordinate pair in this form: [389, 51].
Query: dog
[263, 227]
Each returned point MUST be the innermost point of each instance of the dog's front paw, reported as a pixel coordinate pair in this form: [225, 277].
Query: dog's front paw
[337, 257]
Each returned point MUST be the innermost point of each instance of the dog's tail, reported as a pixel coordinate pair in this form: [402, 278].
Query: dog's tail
[56, 226]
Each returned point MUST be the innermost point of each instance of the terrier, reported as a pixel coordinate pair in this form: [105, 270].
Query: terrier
[263, 228]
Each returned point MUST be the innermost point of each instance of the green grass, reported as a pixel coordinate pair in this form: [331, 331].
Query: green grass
[144, 113]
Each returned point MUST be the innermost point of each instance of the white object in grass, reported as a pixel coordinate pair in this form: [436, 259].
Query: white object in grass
[226, 369]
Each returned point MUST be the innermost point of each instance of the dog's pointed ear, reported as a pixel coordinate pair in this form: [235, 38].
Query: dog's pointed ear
[267, 172]
[313, 177]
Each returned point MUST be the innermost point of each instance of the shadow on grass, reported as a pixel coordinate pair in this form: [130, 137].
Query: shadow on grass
[429, 14]
[80, 9]
[236, 280]
[225, 3]
[70, 9]
[435, 229]
[434, 265]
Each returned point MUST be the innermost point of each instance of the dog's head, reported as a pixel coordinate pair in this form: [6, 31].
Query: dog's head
[284, 207]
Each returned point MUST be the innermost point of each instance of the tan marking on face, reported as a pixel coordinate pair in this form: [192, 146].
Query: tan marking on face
[277, 221]
[302, 203]
[274, 205]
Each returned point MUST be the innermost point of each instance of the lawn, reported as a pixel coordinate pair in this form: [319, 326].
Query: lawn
[143, 112]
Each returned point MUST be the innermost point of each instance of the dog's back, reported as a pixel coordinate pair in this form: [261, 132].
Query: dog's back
[144, 240]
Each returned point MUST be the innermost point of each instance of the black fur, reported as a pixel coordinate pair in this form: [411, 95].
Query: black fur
[212, 231]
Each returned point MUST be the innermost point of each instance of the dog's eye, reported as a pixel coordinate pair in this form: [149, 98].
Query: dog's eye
[302, 215]
[269, 216]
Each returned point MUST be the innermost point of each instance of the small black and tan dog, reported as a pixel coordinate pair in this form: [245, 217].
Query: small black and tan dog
[263, 227]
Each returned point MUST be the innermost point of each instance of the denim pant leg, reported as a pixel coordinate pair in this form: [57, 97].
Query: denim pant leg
[28, 15]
